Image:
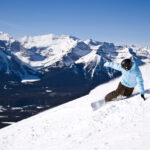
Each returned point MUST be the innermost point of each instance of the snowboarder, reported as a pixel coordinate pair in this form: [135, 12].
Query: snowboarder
[131, 76]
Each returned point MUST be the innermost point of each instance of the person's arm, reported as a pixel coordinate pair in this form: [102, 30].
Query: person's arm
[113, 65]
[140, 83]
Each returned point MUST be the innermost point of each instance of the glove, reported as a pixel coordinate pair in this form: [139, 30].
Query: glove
[142, 95]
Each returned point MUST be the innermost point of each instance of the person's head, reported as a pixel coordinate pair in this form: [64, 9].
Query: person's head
[126, 64]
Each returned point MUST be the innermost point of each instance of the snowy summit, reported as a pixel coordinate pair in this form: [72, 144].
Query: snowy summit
[6, 37]
[50, 49]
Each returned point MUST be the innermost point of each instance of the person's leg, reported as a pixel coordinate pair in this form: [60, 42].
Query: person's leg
[112, 95]
[121, 90]
[127, 91]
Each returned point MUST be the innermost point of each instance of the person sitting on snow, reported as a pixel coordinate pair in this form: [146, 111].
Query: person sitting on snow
[131, 76]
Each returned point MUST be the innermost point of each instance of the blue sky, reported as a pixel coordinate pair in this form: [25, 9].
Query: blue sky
[117, 21]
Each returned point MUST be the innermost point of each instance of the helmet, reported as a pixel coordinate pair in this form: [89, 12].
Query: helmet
[126, 64]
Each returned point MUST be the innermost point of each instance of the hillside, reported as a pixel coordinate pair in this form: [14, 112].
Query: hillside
[118, 125]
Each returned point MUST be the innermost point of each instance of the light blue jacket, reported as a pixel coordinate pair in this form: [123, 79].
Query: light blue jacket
[129, 78]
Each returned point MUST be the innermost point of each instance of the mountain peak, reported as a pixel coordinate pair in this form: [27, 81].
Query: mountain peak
[45, 40]
[93, 42]
[6, 37]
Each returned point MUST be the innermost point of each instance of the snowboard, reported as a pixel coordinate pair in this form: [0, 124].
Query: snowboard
[97, 104]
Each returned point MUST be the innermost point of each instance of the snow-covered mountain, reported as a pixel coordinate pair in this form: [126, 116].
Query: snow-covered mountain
[6, 37]
[64, 67]
[45, 50]
[10, 65]
[117, 125]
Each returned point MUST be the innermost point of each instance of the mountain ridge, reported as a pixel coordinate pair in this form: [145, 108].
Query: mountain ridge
[64, 68]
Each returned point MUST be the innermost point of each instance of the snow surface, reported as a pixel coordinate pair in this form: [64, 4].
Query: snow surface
[123, 124]
[30, 79]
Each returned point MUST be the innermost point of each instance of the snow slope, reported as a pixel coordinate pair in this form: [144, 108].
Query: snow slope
[118, 125]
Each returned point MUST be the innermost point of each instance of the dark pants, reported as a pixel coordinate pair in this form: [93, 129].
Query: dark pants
[121, 90]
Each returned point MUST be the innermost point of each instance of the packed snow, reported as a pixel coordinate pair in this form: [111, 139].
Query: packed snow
[123, 124]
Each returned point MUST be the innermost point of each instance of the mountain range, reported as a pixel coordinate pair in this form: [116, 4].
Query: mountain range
[48, 70]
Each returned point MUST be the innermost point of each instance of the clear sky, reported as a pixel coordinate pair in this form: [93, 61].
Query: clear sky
[117, 21]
